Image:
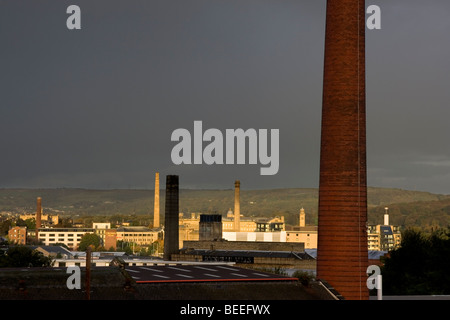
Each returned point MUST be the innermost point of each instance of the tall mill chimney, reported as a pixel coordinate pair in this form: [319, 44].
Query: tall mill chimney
[156, 222]
[342, 256]
[38, 213]
[171, 236]
[237, 206]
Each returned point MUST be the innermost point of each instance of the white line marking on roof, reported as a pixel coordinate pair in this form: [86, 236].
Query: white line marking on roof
[129, 270]
[240, 275]
[183, 275]
[260, 274]
[157, 275]
[150, 269]
[212, 275]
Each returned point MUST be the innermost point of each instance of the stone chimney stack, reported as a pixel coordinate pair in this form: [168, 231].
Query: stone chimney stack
[171, 236]
[156, 214]
[302, 221]
[237, 206]
[386, 216]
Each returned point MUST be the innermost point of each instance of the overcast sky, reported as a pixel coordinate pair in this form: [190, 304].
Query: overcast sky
[96, 107]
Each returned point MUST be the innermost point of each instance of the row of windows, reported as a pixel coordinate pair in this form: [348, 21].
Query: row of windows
[59, 240]
[78, 230]
[61, 234]
[136, 237]
[78, 236]
[138, 240]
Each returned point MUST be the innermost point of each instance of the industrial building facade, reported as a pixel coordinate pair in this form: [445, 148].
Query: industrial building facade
[138, 235]
[70, 237]
[260, 254]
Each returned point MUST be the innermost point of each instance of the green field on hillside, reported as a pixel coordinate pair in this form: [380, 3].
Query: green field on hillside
[406, 208]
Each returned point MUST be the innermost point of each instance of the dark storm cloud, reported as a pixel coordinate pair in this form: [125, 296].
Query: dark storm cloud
[407, 96]
[96, 107]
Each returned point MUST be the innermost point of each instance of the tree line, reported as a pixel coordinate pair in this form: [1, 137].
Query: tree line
[420, 266]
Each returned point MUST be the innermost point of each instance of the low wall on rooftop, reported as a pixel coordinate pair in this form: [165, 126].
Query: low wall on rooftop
[245, 245]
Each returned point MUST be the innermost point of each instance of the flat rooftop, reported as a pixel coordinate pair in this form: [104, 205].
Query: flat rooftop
[194, 281]
[199, 273]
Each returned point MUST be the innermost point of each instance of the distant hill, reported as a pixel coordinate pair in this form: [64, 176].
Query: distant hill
[407, 208]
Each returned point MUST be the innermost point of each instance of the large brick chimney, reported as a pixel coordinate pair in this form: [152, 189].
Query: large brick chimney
[342, 255]
[38, 213]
